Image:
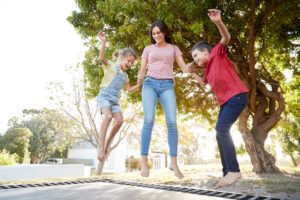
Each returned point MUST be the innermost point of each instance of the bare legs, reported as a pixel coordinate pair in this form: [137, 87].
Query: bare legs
[144, 167]
[103, 146]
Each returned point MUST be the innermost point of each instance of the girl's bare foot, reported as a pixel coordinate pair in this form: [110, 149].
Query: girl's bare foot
[229, 179]
[144, 167]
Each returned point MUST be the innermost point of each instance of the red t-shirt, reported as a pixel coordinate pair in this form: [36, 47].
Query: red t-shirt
[219, 72]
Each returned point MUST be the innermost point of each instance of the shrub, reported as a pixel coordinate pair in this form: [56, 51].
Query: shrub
[7, 159]
[132, 164]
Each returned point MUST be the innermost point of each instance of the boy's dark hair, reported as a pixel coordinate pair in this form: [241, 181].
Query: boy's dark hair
[202, 45]
[163, 28]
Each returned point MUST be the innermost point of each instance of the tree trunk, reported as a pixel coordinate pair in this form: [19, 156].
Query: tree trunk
[99, 169]
[294, 162]
[100, 165]
[262, 161]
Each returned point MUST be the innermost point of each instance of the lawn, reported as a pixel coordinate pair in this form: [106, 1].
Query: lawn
[285, 184]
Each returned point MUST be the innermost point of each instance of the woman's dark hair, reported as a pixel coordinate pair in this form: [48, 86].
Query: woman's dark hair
[163, 28]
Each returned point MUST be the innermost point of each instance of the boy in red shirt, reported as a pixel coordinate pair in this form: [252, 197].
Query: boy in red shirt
[231, 93]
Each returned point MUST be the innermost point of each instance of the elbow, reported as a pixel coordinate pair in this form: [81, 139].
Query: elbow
[225, 40]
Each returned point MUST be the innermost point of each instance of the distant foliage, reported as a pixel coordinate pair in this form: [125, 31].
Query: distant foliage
[7, 159]
[16, 141]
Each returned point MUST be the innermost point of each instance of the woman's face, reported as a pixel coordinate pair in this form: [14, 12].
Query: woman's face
[158, 36]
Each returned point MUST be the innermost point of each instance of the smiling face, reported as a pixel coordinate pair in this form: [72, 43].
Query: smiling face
[200, 56]
[127, 62]
[158, 36]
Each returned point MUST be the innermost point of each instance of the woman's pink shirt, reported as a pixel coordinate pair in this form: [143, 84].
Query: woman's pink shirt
[160, 60]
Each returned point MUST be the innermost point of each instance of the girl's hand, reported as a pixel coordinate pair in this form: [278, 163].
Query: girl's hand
[214, 15]
[101, 36]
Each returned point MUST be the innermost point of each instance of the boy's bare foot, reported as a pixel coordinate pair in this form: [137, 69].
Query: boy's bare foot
[229, 179]
[101, 153]
[144, 167]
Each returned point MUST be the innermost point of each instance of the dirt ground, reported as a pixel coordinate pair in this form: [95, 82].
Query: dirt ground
[285, 185]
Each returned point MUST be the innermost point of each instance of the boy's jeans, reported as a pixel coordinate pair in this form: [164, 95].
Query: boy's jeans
[229, 113]
[164, 90]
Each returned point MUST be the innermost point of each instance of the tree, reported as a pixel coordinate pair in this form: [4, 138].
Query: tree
[7, 158]
[289, 137]
[263, 36]
[81, 110]
[51, 131]
[16, 141]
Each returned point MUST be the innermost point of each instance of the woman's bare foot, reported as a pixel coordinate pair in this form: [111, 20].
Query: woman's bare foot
[229, 179]
[144, 167]
[174, 167]
[178, 173]
[101, 153]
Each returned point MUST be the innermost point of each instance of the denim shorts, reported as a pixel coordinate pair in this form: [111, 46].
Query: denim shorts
[104, 103]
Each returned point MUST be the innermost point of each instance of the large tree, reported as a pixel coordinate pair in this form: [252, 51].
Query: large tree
[51, 131]
[16, 141]
[264, 33]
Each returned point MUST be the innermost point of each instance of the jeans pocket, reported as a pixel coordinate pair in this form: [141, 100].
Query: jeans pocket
[147, 78]
[240, 99]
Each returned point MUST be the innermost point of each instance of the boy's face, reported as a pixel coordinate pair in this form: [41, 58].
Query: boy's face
[200, 56]
[127, 62]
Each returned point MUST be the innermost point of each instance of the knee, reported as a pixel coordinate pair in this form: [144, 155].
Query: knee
[222, 129]
[119, 121]
[107, 117]
[172, 125]
[148, 123]
[222, 132]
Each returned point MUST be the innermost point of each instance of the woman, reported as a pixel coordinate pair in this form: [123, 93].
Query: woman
[158, 83]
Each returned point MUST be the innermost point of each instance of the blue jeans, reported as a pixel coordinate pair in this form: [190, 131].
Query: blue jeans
[163, 90]
[229, 113]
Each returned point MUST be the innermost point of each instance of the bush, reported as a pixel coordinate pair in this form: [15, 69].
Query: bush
[132, 164]
[7, 159]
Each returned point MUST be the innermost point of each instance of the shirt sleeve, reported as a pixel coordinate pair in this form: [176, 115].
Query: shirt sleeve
[177, 51]
[109, 65]
[219, 49]
[146, 52]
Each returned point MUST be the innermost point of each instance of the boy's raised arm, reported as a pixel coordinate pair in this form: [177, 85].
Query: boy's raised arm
[215, 17]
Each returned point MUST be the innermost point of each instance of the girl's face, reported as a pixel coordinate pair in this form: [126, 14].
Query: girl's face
[200, 56]
[127, 62]
[158, 36]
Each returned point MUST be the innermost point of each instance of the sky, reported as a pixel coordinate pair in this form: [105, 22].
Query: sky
[37, 45]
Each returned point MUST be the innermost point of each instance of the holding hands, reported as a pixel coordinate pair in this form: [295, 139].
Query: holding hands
[191, 67]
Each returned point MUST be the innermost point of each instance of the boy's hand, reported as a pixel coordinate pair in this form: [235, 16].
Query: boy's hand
[101, 36]
[190, 67]
[214, 15]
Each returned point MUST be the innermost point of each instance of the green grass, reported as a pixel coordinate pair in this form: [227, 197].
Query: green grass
[205, 176]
